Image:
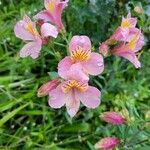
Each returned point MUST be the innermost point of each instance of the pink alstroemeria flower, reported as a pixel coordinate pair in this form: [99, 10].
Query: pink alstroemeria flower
[71, 92]
[26, 30]
[52, 12]
[125, 31]
[107, 143]
[113, 118]
[82, 59]
[129, 50]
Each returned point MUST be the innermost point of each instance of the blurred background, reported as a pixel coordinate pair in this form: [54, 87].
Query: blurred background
[27, 122]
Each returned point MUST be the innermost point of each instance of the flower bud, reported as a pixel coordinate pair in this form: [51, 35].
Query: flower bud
[103, 49]
[107, 143]
[138, 9]
[113, 118]
[47, 87]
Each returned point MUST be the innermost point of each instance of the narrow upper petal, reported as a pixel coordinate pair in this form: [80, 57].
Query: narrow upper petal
[49, 30]
[21, 32]
[31, 49]
[72, 104]
[95, 64]
[90, 98]
[80, 41]
[57, 98]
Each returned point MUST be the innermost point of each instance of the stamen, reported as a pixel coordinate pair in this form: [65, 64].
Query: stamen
[80, 55]
[131, 45]
[29, 27]
[125, 24]
[50, 6]
[73, 84]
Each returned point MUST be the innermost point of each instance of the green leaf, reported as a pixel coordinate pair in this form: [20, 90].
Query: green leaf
[11, 114]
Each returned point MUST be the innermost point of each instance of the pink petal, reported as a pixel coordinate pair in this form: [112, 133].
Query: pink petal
[72, 104]
[57, 98]
[131, 56]
[58, 13]
[95, 65]
[90, 98]
[120, 34]
[68, 70]
[64, 66]
[80, 41]
[49, 30]
[44, 15]
[76, 72]
[31, 49]
[21, 32]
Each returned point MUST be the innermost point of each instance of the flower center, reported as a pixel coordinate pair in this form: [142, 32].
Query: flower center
[131, 45]
[50, 6]
[73, 84]
[29, 27]
[80, 55]
[126, 24]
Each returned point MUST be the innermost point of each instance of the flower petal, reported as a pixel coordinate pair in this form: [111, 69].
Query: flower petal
[131, 56]
[44, 15]
[21, 32]
[31, 49]
[57, 98]
[68, 70]
[80, 41]
[95, 65]
[49, 30]
[72, 104]
[90, 98]
[64, 67]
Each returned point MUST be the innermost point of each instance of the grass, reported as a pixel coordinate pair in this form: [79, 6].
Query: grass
[27, 122]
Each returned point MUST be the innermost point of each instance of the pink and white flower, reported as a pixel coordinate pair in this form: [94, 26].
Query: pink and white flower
[125, 31]
[113, 118]
[107, 143]
[53, 11]
[82, 59]
[71, 92]
[129, 50]
[26, 30]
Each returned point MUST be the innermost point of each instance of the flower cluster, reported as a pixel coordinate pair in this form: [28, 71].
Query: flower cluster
[127, 40]
[72, 87]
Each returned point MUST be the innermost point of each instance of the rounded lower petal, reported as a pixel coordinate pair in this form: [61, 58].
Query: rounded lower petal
[76, 72]
[31, 49]
[64, 67]
[90, 98]
[80, 41]
[49, 30]
[57, 98]
[95, 65]
[44, 15]
[21, 32]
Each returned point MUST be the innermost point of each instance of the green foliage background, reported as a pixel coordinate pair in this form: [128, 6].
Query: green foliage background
[27, 122]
